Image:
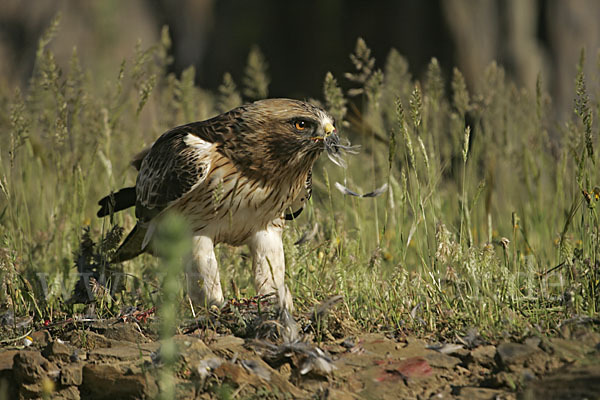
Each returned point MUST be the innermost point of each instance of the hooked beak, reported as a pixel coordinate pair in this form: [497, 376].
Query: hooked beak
[329, 129]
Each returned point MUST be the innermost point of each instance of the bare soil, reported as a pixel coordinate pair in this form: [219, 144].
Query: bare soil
[120, 359]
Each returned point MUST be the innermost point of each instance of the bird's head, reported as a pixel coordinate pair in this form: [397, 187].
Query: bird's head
[295, 132]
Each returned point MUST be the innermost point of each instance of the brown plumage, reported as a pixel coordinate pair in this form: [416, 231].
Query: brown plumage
[236, 178]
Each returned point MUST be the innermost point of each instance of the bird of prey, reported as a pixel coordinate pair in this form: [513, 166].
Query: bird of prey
[236, 178]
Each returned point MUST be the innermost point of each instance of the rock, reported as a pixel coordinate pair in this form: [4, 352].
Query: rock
[31, 390]
[108, 381]
[126, 352]
[527, 375]
[48, 390]
[440, 360]
[235, 373]
[533, 342]
[476, 393]
[31, 367]
[514, 353]
[461, 353]
[41, 338]
[241, 376]
[377, 367]
[90, 340]
[67, 393]
[71, 374]
[484, 356]
[33, 374]
[280, 382]
[125, 333]
[56, 350]
[227, 346]
[192, 349]
[8, 387]
[504, 379]
[7, 361]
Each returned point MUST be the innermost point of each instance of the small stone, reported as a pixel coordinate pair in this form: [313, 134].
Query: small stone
[192, 349]
[74, 357]
[476, 393]
[533, 342]
[441, 360]
[527, 375]
[484, 355]
[41, 338]
[57, 351]
[227, 346]
[504, 379]
[71, 374]
[514, 353]
[349, 343]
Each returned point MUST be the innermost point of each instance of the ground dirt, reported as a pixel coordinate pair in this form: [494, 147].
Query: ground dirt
[120, 359]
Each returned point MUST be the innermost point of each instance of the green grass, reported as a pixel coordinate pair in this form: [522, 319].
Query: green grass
[486, 222]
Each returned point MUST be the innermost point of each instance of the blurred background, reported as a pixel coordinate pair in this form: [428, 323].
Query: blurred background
[301, 41]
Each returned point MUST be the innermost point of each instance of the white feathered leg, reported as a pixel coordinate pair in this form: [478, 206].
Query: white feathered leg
[268, 263]
[206, 264]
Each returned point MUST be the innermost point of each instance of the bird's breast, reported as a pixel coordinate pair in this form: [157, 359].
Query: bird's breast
[230, 206]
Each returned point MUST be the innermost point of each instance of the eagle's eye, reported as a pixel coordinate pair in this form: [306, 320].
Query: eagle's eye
[300, 125]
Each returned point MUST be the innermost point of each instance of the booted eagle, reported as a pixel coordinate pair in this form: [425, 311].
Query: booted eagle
[236, 178]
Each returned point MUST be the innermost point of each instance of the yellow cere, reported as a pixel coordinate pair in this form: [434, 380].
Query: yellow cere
[329, 129]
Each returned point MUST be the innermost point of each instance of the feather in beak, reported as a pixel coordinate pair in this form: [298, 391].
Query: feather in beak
[336, 150]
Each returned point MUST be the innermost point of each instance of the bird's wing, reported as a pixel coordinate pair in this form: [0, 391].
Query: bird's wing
[298, 204]
[175, 165]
